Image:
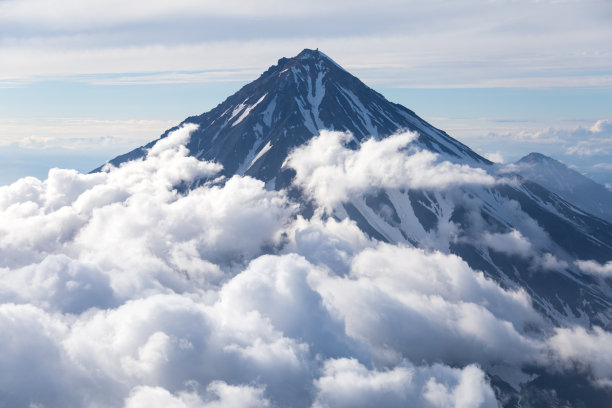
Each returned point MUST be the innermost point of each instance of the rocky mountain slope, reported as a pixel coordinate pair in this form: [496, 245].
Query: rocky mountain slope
[521, 232]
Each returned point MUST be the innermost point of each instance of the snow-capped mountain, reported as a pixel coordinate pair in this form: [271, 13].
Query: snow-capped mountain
[524, 231]
[568, 183]
[252, 131]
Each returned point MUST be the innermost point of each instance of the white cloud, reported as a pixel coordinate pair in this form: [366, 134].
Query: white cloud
[495, 157]
[511, 243]
[515, 243]
[595, 268]
[79, 134]
[347, 383]
[549, 262]
[58, 283]
[585, 349]
[450, 303]
[131, 218]
[157, 36]
[582, 141]
[76, 17]
[604, 166]
[331, 172]
[118, 288]
[225, 396]
[584, 148]
[602, 126]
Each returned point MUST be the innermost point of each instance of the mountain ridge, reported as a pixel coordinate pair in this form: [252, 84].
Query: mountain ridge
[516, 231]
[290, 103]
[557, 177]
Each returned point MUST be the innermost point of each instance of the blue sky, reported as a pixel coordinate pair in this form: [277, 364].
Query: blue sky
[81, 82]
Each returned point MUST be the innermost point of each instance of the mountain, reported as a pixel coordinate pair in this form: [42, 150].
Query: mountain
[526, 232]
[569, 184]
[252, 131]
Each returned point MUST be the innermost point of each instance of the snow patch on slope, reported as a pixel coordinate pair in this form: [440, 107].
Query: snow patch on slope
[247, 111]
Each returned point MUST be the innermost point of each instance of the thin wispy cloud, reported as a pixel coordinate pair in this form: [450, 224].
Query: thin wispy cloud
[568, 47]
[78, 133]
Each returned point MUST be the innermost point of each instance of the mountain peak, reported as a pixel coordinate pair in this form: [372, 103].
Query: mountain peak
[253, 131]
[535, 157]
[316, 55]
[307, 53]
[566, 182]
[312, 61]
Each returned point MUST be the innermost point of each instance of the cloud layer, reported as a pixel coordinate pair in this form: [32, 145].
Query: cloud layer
[120, 289]
[162, 37]
[331, 172]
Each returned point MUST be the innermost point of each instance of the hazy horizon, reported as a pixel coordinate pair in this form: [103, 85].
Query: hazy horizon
[84, 84]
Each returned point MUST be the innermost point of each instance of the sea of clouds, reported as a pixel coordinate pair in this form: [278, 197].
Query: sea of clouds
[119, 289]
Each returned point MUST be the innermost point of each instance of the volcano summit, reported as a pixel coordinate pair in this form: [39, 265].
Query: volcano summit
[252, 132]
[306, 243]
[425, 191]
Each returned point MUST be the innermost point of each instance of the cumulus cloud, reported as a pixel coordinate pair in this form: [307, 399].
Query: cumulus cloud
[347, 383]
[448, 303]
[595, 268]
[586, 349]
[591, 141]
[124, 287]
[58, 283]
[577, 140]
[331, 172]
[267, 327]
[224, 396]
[511, 243]
[134, 219]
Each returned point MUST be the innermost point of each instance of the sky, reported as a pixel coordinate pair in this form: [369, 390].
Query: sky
[81, 82]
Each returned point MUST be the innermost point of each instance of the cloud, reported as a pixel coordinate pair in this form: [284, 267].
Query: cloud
[578, 136]
[347, 383]
[58, 283]
[79, 134]
[511, 243]
[163, 37]
[585, 349]
[495, 157]
[171, 340]
[549, 262]
[32, 358]
[124, 287]
[603, 127]
[450, 303]
[595, 268]
[331, 173]
[592, 141]
[225, 396]
[585, 148]
[604, 166]
[132, 218]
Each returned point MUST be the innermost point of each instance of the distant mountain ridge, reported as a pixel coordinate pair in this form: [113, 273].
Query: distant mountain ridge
[569, 184]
